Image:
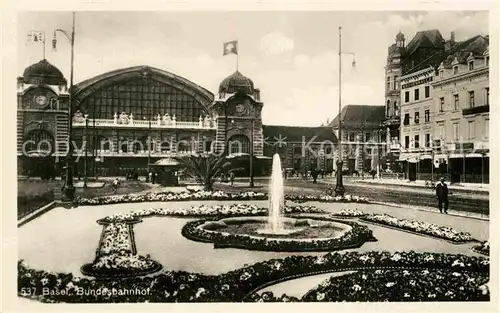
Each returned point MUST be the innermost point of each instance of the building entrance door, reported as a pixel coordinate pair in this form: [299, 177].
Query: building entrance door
[412, 171]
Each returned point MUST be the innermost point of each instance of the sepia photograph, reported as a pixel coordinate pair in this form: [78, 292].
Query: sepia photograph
[252, 156]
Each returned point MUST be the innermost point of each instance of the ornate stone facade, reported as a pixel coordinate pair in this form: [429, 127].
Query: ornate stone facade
[126, 118]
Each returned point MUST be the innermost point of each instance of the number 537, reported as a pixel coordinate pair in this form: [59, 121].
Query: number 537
[28, 291]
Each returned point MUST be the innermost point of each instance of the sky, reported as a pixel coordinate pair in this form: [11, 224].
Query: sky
[292, 57]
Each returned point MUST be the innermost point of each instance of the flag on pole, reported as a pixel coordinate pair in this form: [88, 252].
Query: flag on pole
[36, 36]
[230, 47]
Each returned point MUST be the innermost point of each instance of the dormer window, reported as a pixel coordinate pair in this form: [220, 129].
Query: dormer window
[441, 70]
[455, 66]
[470, 61]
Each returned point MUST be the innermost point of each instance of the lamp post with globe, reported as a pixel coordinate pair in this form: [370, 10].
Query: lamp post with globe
[69, 189]
[339, 186]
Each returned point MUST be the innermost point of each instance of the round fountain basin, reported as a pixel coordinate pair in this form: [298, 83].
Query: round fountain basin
[278, 232]
[298, 234]
[293, 228]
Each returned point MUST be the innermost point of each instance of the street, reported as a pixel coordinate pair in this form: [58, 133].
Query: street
[464, 201]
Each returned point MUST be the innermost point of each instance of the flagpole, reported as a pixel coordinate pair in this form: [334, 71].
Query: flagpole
[44, 45]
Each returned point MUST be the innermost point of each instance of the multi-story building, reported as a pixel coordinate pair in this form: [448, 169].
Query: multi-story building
[131, 118]
[302, 148]
[418, 102]
[362, 142]
[393, 71]
[461, 104]
[416, 123]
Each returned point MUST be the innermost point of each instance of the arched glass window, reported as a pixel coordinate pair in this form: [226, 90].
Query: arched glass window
[165, 147]
[137, 146]
[143, 144]
[239, 144]
[105, 143]
[123, 145]
[185, 145]
[39, 142]
[99, 143]
[143, 98]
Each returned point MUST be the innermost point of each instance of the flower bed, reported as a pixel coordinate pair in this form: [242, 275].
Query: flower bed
[121, 264]
[208, 195]
[349, 213]
[401, 285]
[326, 198]
[433, 230]
[233, 286]
[116, 255]
[231, 210]
[353, 238]
[483, 248]
[116, 237]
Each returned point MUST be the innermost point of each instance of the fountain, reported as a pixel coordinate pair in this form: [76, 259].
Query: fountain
[275, 224]
[276, 197]
[277, 232]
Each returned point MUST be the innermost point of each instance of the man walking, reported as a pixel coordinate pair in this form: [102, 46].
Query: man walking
[442, 195]
[231, 177]
[116, 182]
[314, 174]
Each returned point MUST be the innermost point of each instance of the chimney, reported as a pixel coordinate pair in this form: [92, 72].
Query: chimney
[450, 43]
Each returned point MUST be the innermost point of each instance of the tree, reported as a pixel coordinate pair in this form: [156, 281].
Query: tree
[390, 161]
[204, 167]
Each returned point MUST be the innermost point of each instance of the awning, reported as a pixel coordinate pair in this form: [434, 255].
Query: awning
[38, 153]
[263, 157]
[410, 157]
[167, 162]
[235, 155]
[426, 157]
[457, 156]
[440, 156]
[474, 155]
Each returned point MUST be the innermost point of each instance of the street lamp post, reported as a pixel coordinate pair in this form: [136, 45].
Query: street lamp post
[85, 159]
[251, 155]
[149, 141]
[339, 187]
[69, 189]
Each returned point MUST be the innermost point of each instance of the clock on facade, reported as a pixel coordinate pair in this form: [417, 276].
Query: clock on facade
[240, 108]
[41, 100]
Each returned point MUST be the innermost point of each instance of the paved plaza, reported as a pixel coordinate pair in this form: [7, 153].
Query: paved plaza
[64, 247]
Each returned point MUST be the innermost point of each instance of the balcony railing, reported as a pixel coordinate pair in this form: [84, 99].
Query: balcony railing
[80, 122]
[476, 110]
[138, 153]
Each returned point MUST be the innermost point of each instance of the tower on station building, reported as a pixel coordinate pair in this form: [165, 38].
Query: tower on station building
[42, 119]
[239, 116]
[393, 71]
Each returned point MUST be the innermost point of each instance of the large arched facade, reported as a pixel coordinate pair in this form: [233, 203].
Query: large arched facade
[133, 106]
[143, 92]
[129, 118]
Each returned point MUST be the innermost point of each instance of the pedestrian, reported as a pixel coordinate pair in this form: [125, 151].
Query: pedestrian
[442, 195]
[314, 174]
[231, 177]
[150, 177]
[115, 184]
[153, 178]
